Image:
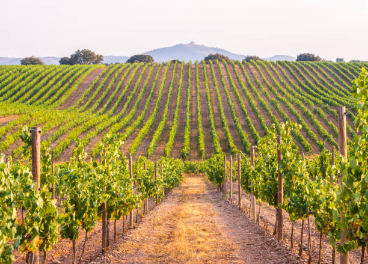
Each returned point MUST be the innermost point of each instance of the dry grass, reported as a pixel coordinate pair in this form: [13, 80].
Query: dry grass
[184, 229]
[195, 225]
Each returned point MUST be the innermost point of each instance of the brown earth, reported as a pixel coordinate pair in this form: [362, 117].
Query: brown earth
[249, 109]
[258, 77]
[267, 218]
[113, 88]
[195, 225]
[215, 110]
[6, 119]
[209, 149]
[179, 139]
[350, 78]
[295, 81]
[238, 110]
[193, 117]
[142, 148]
[287, 111]
[99, 136]
[140, 87]
[130, 88]
[130, 139]
[77, 94]
[226, 107]
[349, 121]
[98, 95]
[161, 144]
[321, 70]
[255, 99]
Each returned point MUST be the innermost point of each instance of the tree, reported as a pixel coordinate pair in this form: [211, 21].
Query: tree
[216, 56]
[140, 58]
[340, 60]
[64, 61]
[84, 56]
[31, 61]
[308, 57]
[253, 57]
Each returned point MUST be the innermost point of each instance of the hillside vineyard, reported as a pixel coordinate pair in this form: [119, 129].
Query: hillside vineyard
[175, 109]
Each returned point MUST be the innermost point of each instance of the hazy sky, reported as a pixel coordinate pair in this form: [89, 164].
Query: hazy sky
[329, 28]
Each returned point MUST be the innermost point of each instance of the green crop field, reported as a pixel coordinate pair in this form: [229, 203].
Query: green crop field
[176, 110]
[116, 140]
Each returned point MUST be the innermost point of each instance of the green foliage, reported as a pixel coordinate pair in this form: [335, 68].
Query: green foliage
[84, 56]
[216, 56]
[157, 134]
[354, 195]
[142, 58]
[308, 57]
[249, 58]
[214, 168]
[214, 135]
[200, 134]
[39, 228]
[175, 124]
[64, 61]
[194, 167]
[31, 61]
[242, 134]
[185, 149]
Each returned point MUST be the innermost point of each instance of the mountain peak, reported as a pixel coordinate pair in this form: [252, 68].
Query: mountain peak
[187, 52]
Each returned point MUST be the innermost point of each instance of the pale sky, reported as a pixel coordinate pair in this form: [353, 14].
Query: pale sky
[329, 28]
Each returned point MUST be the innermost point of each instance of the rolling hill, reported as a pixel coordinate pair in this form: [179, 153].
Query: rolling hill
[187, 52]
[182, 52]
[175, 109]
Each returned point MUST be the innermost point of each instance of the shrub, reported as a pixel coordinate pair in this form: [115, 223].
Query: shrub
[31, 61]
[308, 57]
[140, 58]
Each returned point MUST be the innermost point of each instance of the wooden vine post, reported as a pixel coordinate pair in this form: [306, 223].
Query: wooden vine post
[253, 199]
[131, 176]
[36, 168]
[156, 182]
[53, 186]
[224, 184]
[231, 179]
[239, 182]
[146, 210]
[36, 155]
[104, 226]
[334, 248]
[162, 177]
[344, 258]
[280, 192]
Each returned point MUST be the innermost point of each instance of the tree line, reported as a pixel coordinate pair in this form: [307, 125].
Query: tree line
[87, 56]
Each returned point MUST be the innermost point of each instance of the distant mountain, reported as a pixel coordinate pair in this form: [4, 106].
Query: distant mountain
[16, 61]
[9, 61]
[55, 60]
[187, 52]
[182, 52]
[280, 58]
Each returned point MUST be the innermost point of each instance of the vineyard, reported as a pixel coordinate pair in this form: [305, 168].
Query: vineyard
[109, 144]
[178, 110]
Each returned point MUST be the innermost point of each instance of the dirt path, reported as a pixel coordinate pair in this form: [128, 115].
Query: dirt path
[195, 225]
